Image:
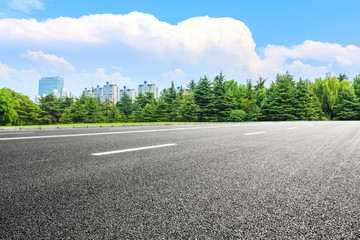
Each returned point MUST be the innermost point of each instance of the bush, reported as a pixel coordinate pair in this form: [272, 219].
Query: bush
[237, 116]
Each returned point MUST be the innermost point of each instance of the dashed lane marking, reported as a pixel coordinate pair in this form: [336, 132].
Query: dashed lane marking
[253, 133]
[133, 149]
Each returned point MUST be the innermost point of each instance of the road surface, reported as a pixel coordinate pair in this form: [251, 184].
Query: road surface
[269, 180]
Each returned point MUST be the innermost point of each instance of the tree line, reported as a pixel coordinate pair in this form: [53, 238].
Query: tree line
[218, 100]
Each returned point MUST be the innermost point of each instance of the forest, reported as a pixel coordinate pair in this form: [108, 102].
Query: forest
[219, 100]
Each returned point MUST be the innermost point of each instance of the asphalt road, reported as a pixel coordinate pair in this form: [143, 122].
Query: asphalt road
[272, 180]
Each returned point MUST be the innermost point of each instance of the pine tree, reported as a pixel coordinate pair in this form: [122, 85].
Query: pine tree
[204, 99]
[125, 105]
[278, 105]
[347, 106]
[305, 106]
[189, 110]
[223, 103]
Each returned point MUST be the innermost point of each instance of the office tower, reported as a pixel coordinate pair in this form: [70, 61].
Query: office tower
[51, 85]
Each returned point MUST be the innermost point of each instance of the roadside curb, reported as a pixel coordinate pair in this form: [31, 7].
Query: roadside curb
[98, 126]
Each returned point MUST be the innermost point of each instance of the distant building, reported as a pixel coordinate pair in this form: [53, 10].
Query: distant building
[129, 91]
[89, 92]
[52, 85]
[47, 85]
[110, 91]
[148, 87]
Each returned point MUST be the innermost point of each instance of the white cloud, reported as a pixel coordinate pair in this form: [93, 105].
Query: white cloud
[177, 73]
[200, 44]
[26, 5]
[100, 76]
[5, 71]
[41, 57]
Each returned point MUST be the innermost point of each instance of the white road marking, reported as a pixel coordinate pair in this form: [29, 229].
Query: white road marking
[310, 125]
[113, 133]
[248, 134]
[292, 128]
[10, 133]
[133, 149]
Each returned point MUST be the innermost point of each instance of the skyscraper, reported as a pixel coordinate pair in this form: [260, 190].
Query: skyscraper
[47, 85]
[52, 85]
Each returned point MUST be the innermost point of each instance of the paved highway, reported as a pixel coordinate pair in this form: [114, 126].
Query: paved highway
[271, 180]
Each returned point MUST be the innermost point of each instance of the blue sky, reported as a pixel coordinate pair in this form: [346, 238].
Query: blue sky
[91, 42]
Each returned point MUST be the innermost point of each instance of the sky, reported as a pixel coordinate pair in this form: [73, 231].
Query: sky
[89, 43]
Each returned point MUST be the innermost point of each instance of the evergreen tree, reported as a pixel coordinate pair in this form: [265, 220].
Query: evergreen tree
[191, 86]
[204, 99]
[51, 111]
[115, 115]
[148, 113]
[160, 111]
[189, 110]
[279, 106]
[305, 106]
[347, 106]
[125, 105]
[223, 103]
[138, 114]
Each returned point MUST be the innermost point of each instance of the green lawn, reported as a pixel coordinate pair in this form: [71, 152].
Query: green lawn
[94, 124]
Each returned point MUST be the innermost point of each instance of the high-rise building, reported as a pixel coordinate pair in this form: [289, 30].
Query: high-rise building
[148, 87]
[47, 85]
[52, 85]
[105, 92]
[129, 91]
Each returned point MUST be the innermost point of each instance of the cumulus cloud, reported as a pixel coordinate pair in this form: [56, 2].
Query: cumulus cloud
[41, 57]
[26, 5]
[177, 73]
[200, 43]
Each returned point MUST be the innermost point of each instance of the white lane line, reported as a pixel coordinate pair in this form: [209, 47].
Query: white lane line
[310, 125]
[113, 133]
[292, 128]
[133, 149]
[254, 133]
[10, 133]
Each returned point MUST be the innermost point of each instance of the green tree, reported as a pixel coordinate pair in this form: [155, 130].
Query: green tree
[347, 105]
[278, 105]
[191, 86]
[238, 116]
[204, 99]
[189, 110]
[236, 92]
[125, 105]
[327, 92]
[356, 85]
[50, 109]
[7, 103]
[148, 113]
[223, 102]
[304, 103]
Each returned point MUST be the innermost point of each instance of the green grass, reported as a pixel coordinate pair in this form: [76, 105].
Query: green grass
[93, 124]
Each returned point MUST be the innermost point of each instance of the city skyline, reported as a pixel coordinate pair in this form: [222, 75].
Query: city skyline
[127, 43]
